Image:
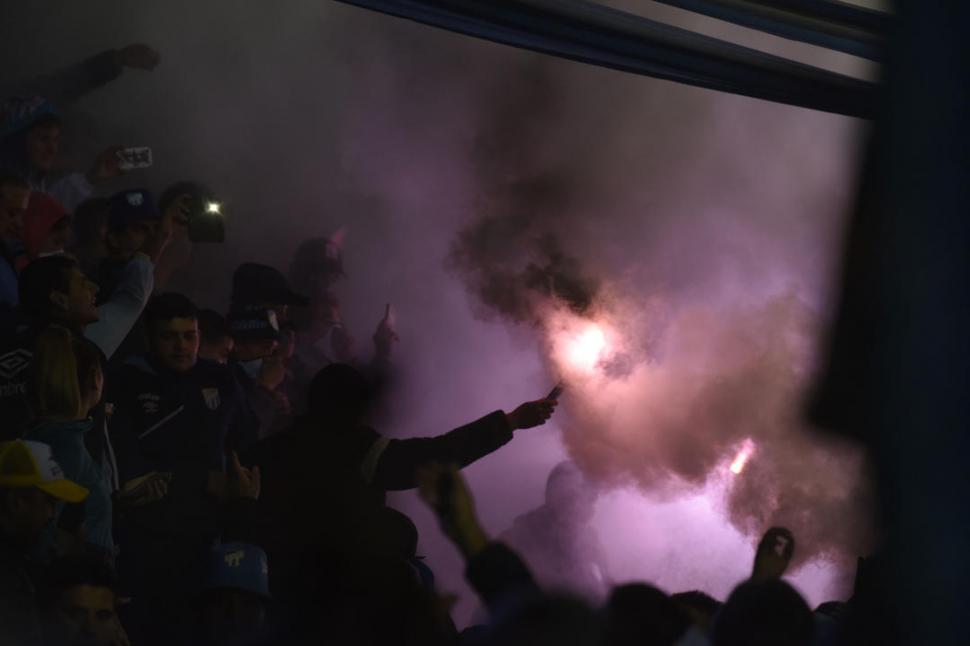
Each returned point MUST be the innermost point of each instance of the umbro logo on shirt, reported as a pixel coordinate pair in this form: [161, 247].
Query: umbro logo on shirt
[149, 402]
[14, 362]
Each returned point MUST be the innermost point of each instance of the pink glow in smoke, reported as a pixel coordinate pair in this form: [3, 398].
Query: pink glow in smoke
[585, 350]
[578, 345]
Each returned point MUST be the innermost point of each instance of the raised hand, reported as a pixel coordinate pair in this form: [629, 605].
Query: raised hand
[138, 56]
[531, 414]
[243, 483]
[106, 165]
[273, 372]
[774, 553]
[151, 487]
[158, 242]
[386, 335]
[118, 636]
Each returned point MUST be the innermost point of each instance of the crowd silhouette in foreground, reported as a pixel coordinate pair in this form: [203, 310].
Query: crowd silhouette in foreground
[171, 474]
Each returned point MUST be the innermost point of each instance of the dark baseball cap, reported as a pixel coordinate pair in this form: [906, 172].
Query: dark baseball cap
[131, 206]
[253, 283]
[252, 322]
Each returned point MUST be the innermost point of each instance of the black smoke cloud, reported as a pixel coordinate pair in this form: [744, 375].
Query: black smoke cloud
[715, 304]
[512, 263]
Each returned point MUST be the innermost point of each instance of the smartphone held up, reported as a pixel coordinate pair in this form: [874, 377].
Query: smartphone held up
[202, 213]
[135, 157]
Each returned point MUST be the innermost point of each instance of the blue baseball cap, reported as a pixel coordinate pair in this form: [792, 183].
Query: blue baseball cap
[19, 113]
[131, 206]
[238, 566]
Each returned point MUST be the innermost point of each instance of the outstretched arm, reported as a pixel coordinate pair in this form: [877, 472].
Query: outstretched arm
[392, 464]
[66, 85]
[118, 315]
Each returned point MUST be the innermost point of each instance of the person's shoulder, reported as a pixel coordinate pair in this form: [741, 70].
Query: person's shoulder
[135, 365]
[275, 448]
[15, 330]
[94, 346]
[12, 570]
[211, 374]
[131, 372]
[213, 371]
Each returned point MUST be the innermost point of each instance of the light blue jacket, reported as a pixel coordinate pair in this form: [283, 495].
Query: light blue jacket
[66, 440]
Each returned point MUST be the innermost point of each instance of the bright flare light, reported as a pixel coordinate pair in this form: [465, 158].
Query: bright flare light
[741, 459]
[585, 350]
[213, 207]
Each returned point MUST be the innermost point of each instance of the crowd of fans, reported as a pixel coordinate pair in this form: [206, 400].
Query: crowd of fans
[173, 475]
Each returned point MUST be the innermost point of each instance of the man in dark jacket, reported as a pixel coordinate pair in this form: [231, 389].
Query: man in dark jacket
[173, 417]
[330, 461]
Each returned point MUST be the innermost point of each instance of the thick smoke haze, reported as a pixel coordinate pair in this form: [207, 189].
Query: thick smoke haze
[504, 201]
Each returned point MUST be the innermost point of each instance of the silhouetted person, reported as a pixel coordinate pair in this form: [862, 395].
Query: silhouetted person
[639, 614]
[258, 285]
[699, 607]
[764, 613]
[321, 516]
[557, 538]
[322, 337]
[521, 614]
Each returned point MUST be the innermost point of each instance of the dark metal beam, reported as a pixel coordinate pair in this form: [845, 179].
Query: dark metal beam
[595, 34]
[833, 25]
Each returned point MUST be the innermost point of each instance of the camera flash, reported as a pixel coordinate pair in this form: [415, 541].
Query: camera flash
[213, 207]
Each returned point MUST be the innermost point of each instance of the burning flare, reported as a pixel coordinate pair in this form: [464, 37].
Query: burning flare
[586, 349]
[741, 459]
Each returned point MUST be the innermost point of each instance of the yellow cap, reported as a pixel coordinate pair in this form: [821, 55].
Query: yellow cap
[30, 464]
